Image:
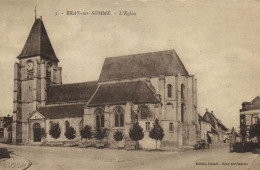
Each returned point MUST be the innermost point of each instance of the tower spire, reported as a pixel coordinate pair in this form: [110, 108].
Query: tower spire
[35, 12]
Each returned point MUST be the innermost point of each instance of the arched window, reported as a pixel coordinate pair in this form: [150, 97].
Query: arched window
[67, 125]
[51, 124]
[182, 112]
[119, 117]
[29, 66]
[100, 118]
[81, 125]
[144, 112]
[182, 91]
[169, 90]
[48, 72]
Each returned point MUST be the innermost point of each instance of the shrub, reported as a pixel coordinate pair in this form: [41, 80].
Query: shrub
[70, 133]
[118, 136]
[249, 146]
[86, 132]
[100, 134]
[55, 130]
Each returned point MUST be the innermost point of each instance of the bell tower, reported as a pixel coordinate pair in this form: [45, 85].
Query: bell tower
[36, 70]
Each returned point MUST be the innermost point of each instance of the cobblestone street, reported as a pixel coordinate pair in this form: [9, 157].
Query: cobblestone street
[91, 158]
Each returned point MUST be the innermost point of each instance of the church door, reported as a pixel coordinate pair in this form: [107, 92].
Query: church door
[37, 132]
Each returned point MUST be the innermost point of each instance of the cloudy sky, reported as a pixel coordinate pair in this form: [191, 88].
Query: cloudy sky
[218, 42]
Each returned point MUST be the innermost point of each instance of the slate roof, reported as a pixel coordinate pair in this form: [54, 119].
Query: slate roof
[210, 117]
[142, 65]
[221, 124]
[38, 43]
[202, 119]
[256, 101]
[122, 92]
[253, 105]
[62, 111]
[70, 93]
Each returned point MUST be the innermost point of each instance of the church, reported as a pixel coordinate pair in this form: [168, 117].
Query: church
[139, 87]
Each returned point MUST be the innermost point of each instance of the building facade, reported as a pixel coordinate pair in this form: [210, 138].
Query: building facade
[219, 130]
[249, 115]
[139, 87]
[205, 130]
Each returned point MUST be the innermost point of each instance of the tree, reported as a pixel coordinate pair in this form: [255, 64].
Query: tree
[118, 136]
[86, 132]
[157, 132]
[55, 130]
[100, 134]
[70, 133]
[136, 133]
[254, 131]
[243, 133]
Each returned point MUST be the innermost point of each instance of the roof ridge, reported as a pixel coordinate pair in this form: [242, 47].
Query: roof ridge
[40, 35]
[74, 83]
[63, 104]
[130, 55]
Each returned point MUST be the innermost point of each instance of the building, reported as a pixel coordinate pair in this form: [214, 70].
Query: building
[144, 86]
[205, 130]
[219, 130]
[5, 129]
[234, 136]
[249, 115]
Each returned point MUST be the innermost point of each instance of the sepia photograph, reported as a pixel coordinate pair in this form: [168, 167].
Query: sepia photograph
[130, 84]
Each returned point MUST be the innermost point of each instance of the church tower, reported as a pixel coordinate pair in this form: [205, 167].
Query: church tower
[36, 70]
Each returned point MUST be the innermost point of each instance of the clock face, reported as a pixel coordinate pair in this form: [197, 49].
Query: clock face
[30, 65]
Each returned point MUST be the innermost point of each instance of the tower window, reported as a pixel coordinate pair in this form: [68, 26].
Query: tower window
[29, 67]
[48, 72]
[169, 90]
[182, 91]
[170, 127]
[182, 112]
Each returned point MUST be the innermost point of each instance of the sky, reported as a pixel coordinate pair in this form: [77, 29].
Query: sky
[218, 42]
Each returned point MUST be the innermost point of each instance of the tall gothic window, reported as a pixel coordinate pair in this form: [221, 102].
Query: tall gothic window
[144, 112]
[182, 112]
[169, 90]
[100, 119]
[182, 91]
[119, 117]
[29, 67]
